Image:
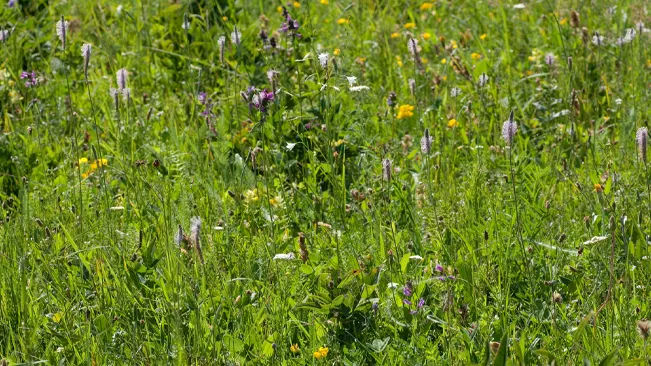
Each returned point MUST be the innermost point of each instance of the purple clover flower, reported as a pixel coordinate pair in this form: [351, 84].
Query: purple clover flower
[289, 26]
[11, 3]
[421, 303]
[202, 97]
[439, 268]
[406, 302]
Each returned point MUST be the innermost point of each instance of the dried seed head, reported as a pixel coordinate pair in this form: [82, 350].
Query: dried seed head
[575, 19]
[644, 328]
[195, 230]
[303, 247]
[494, 346]
[412, 87]
[557, 298]
[221, 42]
[642, 139]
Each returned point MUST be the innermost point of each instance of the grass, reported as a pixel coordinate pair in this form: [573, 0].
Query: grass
[307, 225]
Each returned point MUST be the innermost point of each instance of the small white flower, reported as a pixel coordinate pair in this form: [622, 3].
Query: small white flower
[483, 79]
[4, 35]
[618, 101]
[236, 37]
[323, 59]
[186, 22]
[455, 92]
[519, 6]
[352, 80]
[122, 76]
[597, 39]
[284, 256]
[549, 59]
[358, 88]
[119, 9]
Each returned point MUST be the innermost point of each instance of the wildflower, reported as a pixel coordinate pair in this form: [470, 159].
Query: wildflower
[509, 128]
[126, 94]
[86, 49]
[11, 3]
[392, 99]
[598, 188]
[519, 6]
[62, 29]
[290, 25]
[642, 139]
[630, 35]
[414, 50]
[221, 42]
[483, 37]
[195, 229]
[343, 21]
[597, 39]
[358, 88]
[297, 4]
[455, 92]
[122, 76]
[426, 36]
[114, 93]
[236, 36]
[439, 268]
[640, 27]
[410, 25]
[178, 238]
[407, 291]
[399, 60]
[426, 143]
[421, 303]
[453, 123]
[4, 35]
[405, 111]
[336, 52]
[483, 79]
[549, 59]
[426, 6]
[644, 328]
[284, 256]
[406, 302]
[202, 97]
[323, 59]
[294, 347]
[352, 80]
[30, 78]
[412, 86]
[375, 307]
[443, 61]
[186, 22]
[322, 352]
[386, 169]
[395, 35]
[475, 56]
[83, 161]
[271, 76]
[324, 2]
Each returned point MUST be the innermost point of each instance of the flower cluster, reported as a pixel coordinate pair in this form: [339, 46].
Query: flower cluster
[92, 167]
[30, 78]
[322, 352]
[289, 26]
[405, 111]
[258, 100]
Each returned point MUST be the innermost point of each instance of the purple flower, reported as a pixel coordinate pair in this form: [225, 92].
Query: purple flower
[421, 303]
[407, 291]
[441, 278]
[30, 78]
[413, 312]
[452, 278]
[406, 302]
[392, 99]
[202, 97]
[11, 3]
[439, 268]
[289, 26]
[375, 307]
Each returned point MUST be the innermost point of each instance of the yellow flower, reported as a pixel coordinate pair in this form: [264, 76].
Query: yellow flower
[563, 21]
[83, 161]
[294, 348]
[276, 201]
[395, 35]
[84, 175]
[598, 188]
[251, 195]
[321, 353]
[336, 52]
[410, 25]
[475, 56]
[405, 111]
[399, 59]
[224, 18]
[297, 4]
[426, 36]
[529, 72]
[317, 355]
[424, 60]
[324, 2]
[279, 9]
[426, 6]
[444, 61]
[453, 123]
[606, 118]
[483, 37]
[453, 43]
[342, 21]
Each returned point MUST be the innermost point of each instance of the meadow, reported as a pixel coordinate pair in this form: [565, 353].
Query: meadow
[340, 182]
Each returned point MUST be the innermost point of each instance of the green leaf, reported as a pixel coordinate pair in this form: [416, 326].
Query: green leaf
[500, 358]
[609, 359]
